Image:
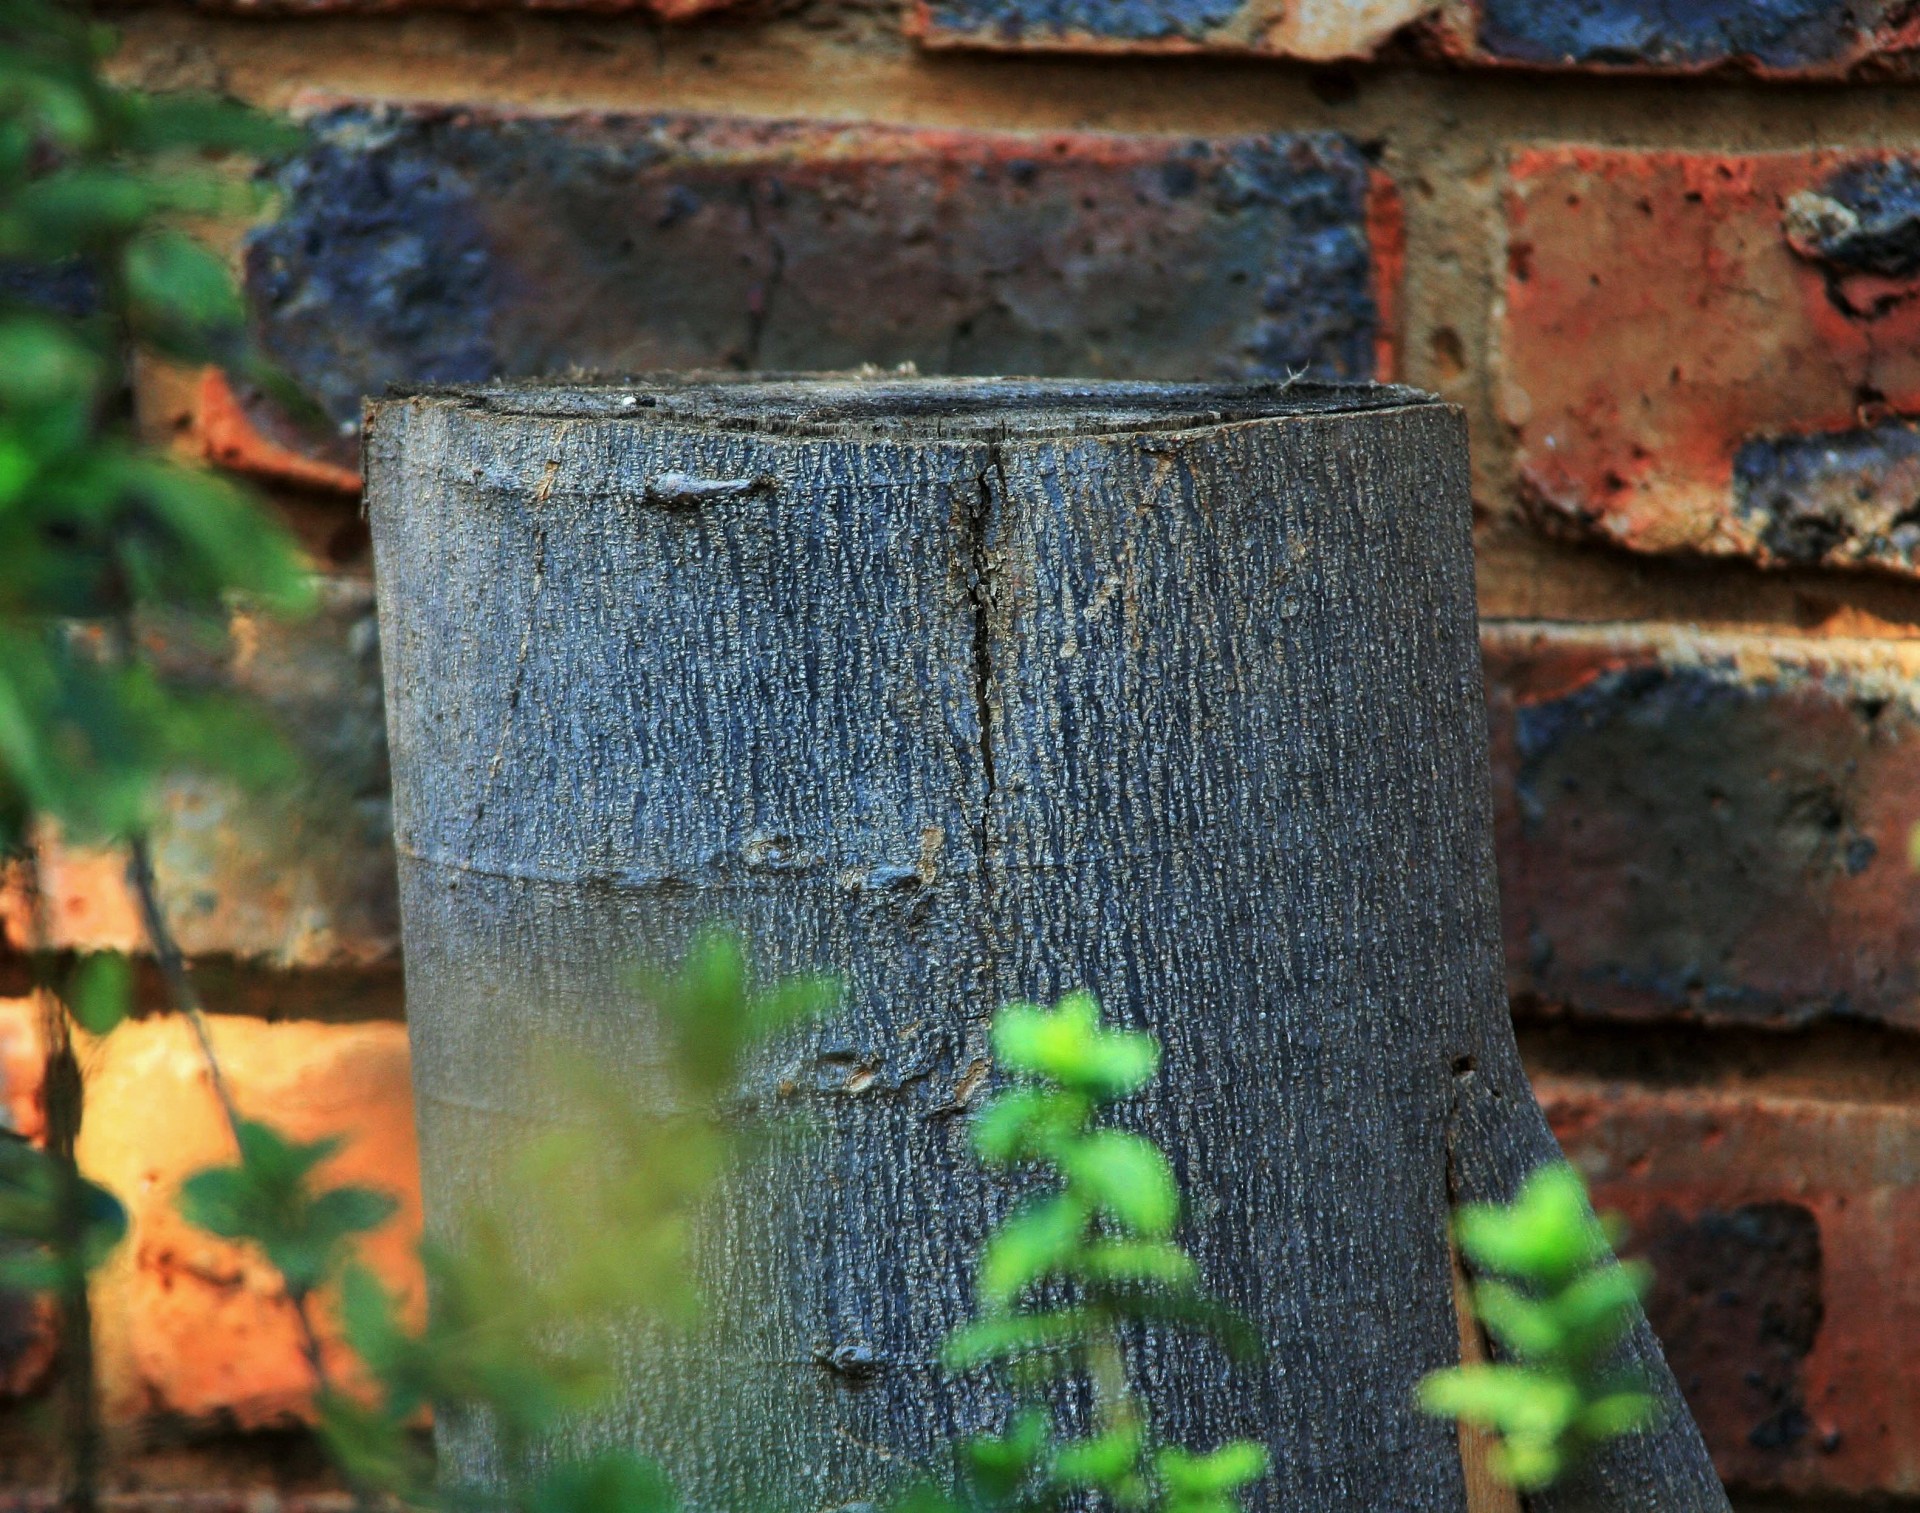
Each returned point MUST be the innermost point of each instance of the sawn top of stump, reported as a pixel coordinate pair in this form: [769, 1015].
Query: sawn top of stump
[920, 409]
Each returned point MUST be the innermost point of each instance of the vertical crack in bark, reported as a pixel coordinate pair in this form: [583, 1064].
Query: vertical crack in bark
[978, 577]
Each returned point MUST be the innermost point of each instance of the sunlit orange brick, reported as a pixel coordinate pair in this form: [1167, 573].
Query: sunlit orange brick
[190, 1325]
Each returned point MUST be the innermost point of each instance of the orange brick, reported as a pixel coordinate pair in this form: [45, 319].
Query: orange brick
[1783, 1231]
[189, 1325]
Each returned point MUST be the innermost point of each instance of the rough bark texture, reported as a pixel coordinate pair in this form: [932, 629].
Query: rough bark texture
[973, 690]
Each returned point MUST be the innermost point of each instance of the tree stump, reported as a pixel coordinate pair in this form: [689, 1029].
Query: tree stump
[975, 690]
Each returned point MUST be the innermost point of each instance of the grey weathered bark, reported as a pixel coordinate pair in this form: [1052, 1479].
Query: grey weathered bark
[973, 690]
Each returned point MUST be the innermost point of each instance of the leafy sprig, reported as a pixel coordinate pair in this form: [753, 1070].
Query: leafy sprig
[1064, 1274]
[1558, 1305]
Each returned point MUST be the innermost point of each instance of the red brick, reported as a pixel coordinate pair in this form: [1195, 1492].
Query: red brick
[195, 1327]
[1776, 38]
[1707, 825]
[300, 874]
[237, 436]
[1783, 1231]
[1698, 356]
[454, 245]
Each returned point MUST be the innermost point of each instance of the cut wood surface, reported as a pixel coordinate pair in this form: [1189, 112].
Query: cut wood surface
[974, 690]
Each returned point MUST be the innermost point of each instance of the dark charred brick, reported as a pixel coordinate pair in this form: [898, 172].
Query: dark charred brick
[1784, 35]
[1780, 38]
[1865, 217]
[65, 288]
[1737, 1302]
[1782, 1232]
[380, 267]
[1711, 826]
[1839, 498]
[451, 246]
[660, 10]
[1120, 20]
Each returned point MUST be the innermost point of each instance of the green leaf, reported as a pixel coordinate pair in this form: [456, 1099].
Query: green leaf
[1020, 1125]
[1033, 1244]
[182, 297]
[73, 210]
[803, 999]
[267, 1199]
[42, 361]
[1127, 1177]
[374, 1448]
[1067, 1045]
[1530, 1329]
[1504, 1397]
[369, 1321]
[1101, 1460]
[56, 1218]
[1187, 1309]
[1548, 1235]
[706, 1010]
[158, 122]
[1148, 1262]
[612, 1481]
[998, 1465]
[1594, 1312]
[219, 541]
[99, 991]
[1618, 1413]
[342, 1212]
[712, 1018]
[1237, 1464]
[1528, 1463]
[1011, 1335]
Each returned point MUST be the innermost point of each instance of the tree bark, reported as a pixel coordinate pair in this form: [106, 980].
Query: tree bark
[973, 690]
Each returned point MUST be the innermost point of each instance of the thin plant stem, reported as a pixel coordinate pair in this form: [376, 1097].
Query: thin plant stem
[173, 968]
[186, 999]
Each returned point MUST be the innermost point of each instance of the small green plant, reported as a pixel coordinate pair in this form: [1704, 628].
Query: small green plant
[1065, 1274]
[591, 1230]
[1558, 1305]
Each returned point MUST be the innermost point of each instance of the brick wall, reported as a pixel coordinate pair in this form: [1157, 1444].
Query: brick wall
[1665, 253]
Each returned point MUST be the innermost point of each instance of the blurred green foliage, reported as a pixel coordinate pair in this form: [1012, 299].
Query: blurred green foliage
[41, 1238]
[104, 540]
[524, 1334]
[1067, 1272]
[589, 1229]
[99, 532]
[269, 1197]
[1558, 1306]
